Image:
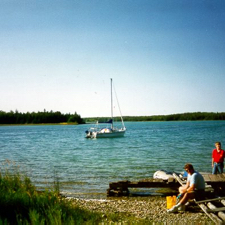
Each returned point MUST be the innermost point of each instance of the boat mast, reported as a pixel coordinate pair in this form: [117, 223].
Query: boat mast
[111, 104]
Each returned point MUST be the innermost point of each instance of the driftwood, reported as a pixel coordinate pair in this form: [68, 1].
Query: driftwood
[212, 200]
[213, 208]
[215, 213]
[212, 216]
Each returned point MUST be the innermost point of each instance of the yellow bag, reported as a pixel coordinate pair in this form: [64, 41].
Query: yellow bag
[170, 201]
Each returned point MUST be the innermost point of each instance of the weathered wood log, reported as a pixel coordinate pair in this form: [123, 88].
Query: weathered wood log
[117, 192]
[223, 202]
[210, 200]
[178, 179]
[216, 209]
[212, 216]
[213, 208]
[144, 184]
[211, 178]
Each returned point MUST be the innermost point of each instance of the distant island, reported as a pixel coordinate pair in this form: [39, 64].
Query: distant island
[192, 116]
[51, 117]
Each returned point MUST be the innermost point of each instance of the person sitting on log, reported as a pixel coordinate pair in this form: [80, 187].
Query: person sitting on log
[194, 188]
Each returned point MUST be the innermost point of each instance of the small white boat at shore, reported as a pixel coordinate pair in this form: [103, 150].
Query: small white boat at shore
[162, 174]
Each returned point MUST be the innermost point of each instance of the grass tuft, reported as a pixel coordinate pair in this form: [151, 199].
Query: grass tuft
[21, 203]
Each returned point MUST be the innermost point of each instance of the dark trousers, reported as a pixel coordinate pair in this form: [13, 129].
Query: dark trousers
[217, 168]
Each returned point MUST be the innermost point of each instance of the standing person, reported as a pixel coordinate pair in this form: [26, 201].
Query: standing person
[194, 188]
[218, 156]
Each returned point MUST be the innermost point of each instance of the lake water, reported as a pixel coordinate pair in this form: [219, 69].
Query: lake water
[84, 167]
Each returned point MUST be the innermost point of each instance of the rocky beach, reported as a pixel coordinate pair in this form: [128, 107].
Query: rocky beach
[144, 210]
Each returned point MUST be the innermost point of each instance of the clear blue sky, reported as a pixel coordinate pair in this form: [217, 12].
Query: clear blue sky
[165, 57]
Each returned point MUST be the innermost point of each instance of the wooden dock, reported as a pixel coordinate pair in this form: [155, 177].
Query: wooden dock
[216, 181]
[121, 188]
[214, 208]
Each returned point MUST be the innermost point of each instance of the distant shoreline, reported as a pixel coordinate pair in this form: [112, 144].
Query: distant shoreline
[192, 116]
[57, 118]
[39, 124]
[69, 124]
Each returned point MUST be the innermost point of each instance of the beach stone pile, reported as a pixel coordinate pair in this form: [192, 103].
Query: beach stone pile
[151, 209]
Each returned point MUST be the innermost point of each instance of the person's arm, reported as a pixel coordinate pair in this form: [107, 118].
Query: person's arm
[186, 186]
[223, 158]
[191, 188]
[212, 159]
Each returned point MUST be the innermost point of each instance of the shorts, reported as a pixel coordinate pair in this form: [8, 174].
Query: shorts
[199, 195]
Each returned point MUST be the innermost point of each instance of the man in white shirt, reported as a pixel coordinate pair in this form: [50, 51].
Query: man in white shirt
[194, 188]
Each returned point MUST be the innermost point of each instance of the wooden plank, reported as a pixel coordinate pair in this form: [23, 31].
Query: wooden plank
[217, 209]
[221, 215]
[210, 200]
[158, 180]
[213, 217]
[179, 180]
[213, 177]
[223, 202]
[171, 180]
[121, 184]
[216, 178]
[213, 208]
[147, 180]
[142, 184]
[206, 177]
[151, 185]
[220, 177]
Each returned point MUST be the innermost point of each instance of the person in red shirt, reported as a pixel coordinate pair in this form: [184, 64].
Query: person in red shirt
[218, 156]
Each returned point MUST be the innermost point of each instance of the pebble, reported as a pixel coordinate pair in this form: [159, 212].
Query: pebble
[151, 208]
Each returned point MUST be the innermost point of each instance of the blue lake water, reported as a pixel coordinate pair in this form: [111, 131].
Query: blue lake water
[84, 167]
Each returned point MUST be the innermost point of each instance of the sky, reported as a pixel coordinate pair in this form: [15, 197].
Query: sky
[164, 56]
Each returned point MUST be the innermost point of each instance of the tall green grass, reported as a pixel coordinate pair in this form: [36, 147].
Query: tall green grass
[21, 203]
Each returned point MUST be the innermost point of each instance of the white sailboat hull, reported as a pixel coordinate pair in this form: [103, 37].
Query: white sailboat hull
[119, 133]
[111, 134]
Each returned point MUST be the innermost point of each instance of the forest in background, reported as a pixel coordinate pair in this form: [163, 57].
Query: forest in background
[51, 117]
[173, 117]
[38, 117]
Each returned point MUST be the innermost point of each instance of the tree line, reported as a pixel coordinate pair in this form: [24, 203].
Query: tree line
[193, 116]
[38, 117]
[180, 117]
[57, 117]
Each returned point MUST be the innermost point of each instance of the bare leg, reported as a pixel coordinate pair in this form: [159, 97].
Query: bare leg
[182, 189]
[186, 197]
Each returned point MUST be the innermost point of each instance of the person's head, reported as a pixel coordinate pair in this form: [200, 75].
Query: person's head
[218, 145]
[189, 168]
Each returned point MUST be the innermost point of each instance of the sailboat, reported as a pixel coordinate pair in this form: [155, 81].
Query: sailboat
[107, 132]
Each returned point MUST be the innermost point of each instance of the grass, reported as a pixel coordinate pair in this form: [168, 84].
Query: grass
[21, 203]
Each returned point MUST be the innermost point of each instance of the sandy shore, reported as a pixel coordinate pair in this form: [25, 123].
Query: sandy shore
[145, 209]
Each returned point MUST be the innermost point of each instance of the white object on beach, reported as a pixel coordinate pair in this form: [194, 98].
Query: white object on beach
[162, 174]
